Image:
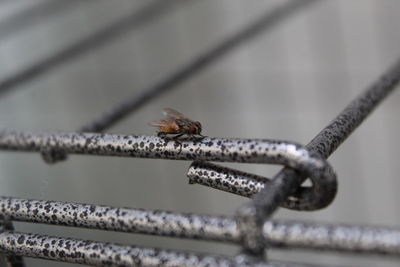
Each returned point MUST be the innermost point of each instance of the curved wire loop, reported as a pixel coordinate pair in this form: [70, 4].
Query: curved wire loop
[319, 195]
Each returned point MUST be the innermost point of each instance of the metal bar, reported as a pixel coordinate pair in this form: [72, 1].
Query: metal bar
[101, 254]
[339, 238]
[153, 222]
[382, 241]
[208, 149]
[94, 253]
[9, 260]
[226, 179]
[133, 20]
[252, 215]
[33, 15]
[264, 23]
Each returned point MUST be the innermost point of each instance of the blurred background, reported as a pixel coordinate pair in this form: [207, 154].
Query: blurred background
[287, 82]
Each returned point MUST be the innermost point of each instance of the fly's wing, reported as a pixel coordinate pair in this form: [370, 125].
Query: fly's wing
[158, 123]
[173, 114]
[163, 123]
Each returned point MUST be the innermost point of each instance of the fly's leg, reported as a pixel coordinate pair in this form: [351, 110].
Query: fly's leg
[175, 138]
[201, 136]
[161, 134]
[164, 136]
[197, 137]
[171, 137]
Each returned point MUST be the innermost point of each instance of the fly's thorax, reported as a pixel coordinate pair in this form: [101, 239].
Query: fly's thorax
[198, 126]
[195, 127]
[189, 126]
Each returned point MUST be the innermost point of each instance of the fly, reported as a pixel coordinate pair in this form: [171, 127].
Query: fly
[176, 125]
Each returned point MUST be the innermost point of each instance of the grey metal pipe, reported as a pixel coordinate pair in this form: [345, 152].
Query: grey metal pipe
[10, 260]
[108, 254]
[152, 222]
[102, 254]
[329, 237]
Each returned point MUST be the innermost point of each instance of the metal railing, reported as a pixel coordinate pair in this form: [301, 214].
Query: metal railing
[251, 228]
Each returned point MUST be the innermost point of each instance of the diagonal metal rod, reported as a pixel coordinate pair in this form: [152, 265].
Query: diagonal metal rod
[382, 241]
[325, 143]
[329, 139]
[134, 20]
[262, 24]
[35, 14]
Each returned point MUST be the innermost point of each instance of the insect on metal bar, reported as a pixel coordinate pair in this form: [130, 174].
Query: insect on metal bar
[207, 149]
[116, 113]
[127, 106]
[250, 227]
[265, 22]
[177, 124]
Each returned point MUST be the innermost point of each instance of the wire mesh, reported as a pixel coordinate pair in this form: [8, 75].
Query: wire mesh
[251, 227]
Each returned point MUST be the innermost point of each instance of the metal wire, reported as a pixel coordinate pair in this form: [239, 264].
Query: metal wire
[107, 254]
[11, 260]
[209, 149]
[382, 241]
[173, 224]
[135, 19]
[278, 233]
